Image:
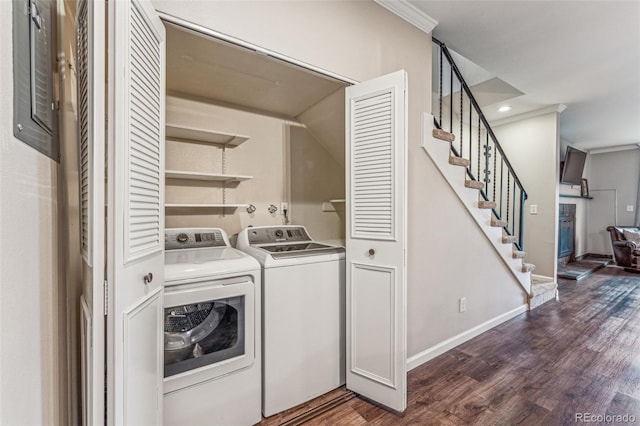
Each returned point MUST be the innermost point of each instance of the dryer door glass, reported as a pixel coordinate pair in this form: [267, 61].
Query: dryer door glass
[201, 334]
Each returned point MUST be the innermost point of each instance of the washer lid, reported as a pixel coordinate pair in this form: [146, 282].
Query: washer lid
[279, 251]
[203, 262]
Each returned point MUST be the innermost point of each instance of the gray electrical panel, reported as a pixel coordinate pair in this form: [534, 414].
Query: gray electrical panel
[35, 107]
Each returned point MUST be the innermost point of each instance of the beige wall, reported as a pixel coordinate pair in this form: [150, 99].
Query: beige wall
[286, 164]
[30, 269]
[532, 146]
[361, 40]
[70, 287]
[262, 156]
[582, 205]
[315, 178]
[613, 182]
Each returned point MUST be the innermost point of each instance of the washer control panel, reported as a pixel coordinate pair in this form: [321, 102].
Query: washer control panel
[187, 238]
[277, 234]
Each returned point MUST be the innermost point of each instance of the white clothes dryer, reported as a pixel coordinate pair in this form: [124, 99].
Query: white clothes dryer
[303, 314]
[212, 323]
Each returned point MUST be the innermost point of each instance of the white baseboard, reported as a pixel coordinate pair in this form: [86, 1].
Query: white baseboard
[442, 347]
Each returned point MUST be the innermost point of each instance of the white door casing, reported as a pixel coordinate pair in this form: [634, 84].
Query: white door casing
[90, 73]
[135, 213]
[376, 156]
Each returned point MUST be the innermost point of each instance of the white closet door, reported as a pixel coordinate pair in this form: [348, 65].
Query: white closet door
[136, 213]
[376, 239]
[90, 48]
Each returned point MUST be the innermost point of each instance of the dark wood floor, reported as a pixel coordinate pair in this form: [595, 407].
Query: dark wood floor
[581, 355]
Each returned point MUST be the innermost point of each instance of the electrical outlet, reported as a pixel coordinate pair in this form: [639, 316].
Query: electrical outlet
[629, 208]
[462, 304]
[533, 209]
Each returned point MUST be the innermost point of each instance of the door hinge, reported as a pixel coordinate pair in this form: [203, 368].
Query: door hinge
[106, 297]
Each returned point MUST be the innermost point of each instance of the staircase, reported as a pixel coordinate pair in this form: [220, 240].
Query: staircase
[466, 151]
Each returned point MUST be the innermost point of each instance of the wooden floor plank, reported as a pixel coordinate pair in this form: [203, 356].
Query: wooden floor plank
[579, 355]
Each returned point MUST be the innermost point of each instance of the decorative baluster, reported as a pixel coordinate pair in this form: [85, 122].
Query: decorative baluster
[495, 158]
[461, 120]
[451, 98]
[470, 131]
[508, 187]
[513, 226]
[478, 146]
[521, 230]
[487, 172]
[501, 184]
[441, 66]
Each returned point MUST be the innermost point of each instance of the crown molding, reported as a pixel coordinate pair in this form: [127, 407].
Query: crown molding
[530, 114]
[617, 148]
[410, 13]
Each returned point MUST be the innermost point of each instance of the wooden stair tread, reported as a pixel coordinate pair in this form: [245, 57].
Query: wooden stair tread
[499, 223]
[473, 184]
[517, 254]
[483, 204]
[459, 161]
[442, 135]
[509, 239]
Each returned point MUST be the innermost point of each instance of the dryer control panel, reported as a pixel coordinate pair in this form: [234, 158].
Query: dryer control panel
[277, 234]
[188, 238]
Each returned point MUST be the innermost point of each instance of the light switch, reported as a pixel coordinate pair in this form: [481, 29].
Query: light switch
[629, 208]
[533, 209]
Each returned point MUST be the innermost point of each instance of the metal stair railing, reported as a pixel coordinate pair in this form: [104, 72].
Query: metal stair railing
[476, 142]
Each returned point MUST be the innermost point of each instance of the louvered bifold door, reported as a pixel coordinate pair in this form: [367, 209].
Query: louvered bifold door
[143, 227]
[137, 104]
[372, 165]
[376, 148]
[90, 78]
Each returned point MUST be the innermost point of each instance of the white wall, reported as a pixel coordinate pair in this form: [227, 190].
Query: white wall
[29, 271]
[361, 40]
[532, 146]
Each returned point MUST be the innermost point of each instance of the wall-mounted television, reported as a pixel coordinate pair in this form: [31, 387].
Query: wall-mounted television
[572, 166]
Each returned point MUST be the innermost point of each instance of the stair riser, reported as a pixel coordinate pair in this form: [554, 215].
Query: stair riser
[542, 298]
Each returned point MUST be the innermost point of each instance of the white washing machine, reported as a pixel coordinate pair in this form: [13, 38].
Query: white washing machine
[212, 340]
[303, 314]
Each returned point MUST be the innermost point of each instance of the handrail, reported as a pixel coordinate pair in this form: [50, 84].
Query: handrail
[511, 175]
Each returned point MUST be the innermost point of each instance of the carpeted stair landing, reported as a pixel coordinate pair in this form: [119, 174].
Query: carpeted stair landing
[543, 289]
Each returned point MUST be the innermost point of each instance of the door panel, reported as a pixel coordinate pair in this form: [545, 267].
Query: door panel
[373, 286]
[136, 219]
[141, 366]
[376, 152]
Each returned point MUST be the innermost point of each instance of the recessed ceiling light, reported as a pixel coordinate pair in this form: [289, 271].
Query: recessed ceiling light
[504, 108]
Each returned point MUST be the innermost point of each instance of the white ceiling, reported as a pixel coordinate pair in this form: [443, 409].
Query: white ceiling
[583, 54]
